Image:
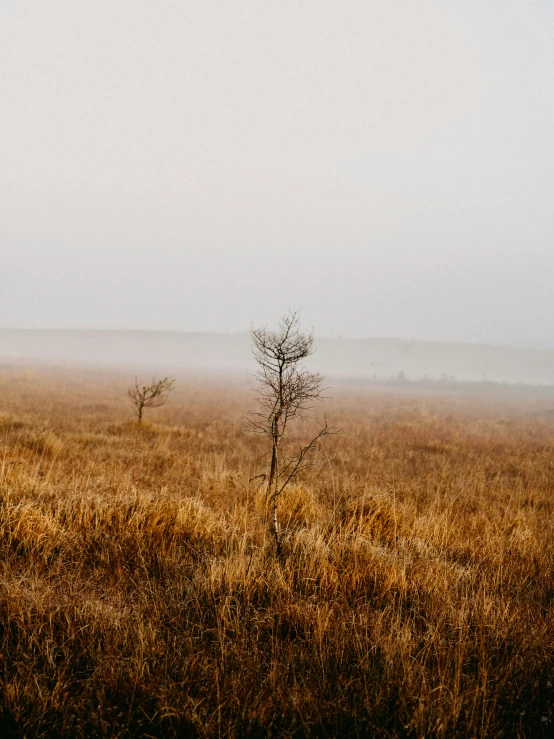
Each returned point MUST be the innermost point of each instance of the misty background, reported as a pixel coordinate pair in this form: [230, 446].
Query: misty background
[385, 167]
[440, 365]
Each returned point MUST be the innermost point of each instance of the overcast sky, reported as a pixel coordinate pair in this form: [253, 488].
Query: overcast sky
[386, 166]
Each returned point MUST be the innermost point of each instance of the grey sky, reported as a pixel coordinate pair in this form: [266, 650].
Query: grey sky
[385, 166]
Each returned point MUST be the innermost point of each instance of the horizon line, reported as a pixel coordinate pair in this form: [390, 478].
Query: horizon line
[521, 344]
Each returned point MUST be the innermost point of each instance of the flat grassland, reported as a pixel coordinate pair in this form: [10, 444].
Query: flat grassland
[140, 594]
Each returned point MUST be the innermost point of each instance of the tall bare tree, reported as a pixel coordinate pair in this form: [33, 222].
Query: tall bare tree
[286, 391]
[150, 396]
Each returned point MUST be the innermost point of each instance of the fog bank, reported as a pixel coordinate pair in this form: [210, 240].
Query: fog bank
[167, 352]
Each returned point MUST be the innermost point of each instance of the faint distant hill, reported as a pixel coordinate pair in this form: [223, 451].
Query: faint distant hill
[164, 351]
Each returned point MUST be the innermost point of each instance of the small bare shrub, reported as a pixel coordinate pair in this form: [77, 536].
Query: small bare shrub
[150, 396]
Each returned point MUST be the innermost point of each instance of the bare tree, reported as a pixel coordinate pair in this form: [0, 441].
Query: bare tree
[150, 396]
[286, 392]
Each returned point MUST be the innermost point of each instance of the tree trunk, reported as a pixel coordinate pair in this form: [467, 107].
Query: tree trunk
[272, 489]
[272, 469]
[276, 531]
[273, 482]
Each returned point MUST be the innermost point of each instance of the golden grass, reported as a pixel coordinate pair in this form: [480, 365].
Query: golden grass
[140, 594]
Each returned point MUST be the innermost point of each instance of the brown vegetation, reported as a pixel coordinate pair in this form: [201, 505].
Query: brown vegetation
[140, 594]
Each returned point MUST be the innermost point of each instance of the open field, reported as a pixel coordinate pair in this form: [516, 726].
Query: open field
[140, 594]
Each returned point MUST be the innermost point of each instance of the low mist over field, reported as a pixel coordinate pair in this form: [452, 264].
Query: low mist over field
[338, 359]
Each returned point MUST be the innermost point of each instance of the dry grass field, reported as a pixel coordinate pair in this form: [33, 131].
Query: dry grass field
[140, 594]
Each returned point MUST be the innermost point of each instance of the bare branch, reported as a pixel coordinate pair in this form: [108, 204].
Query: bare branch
[294, 464]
